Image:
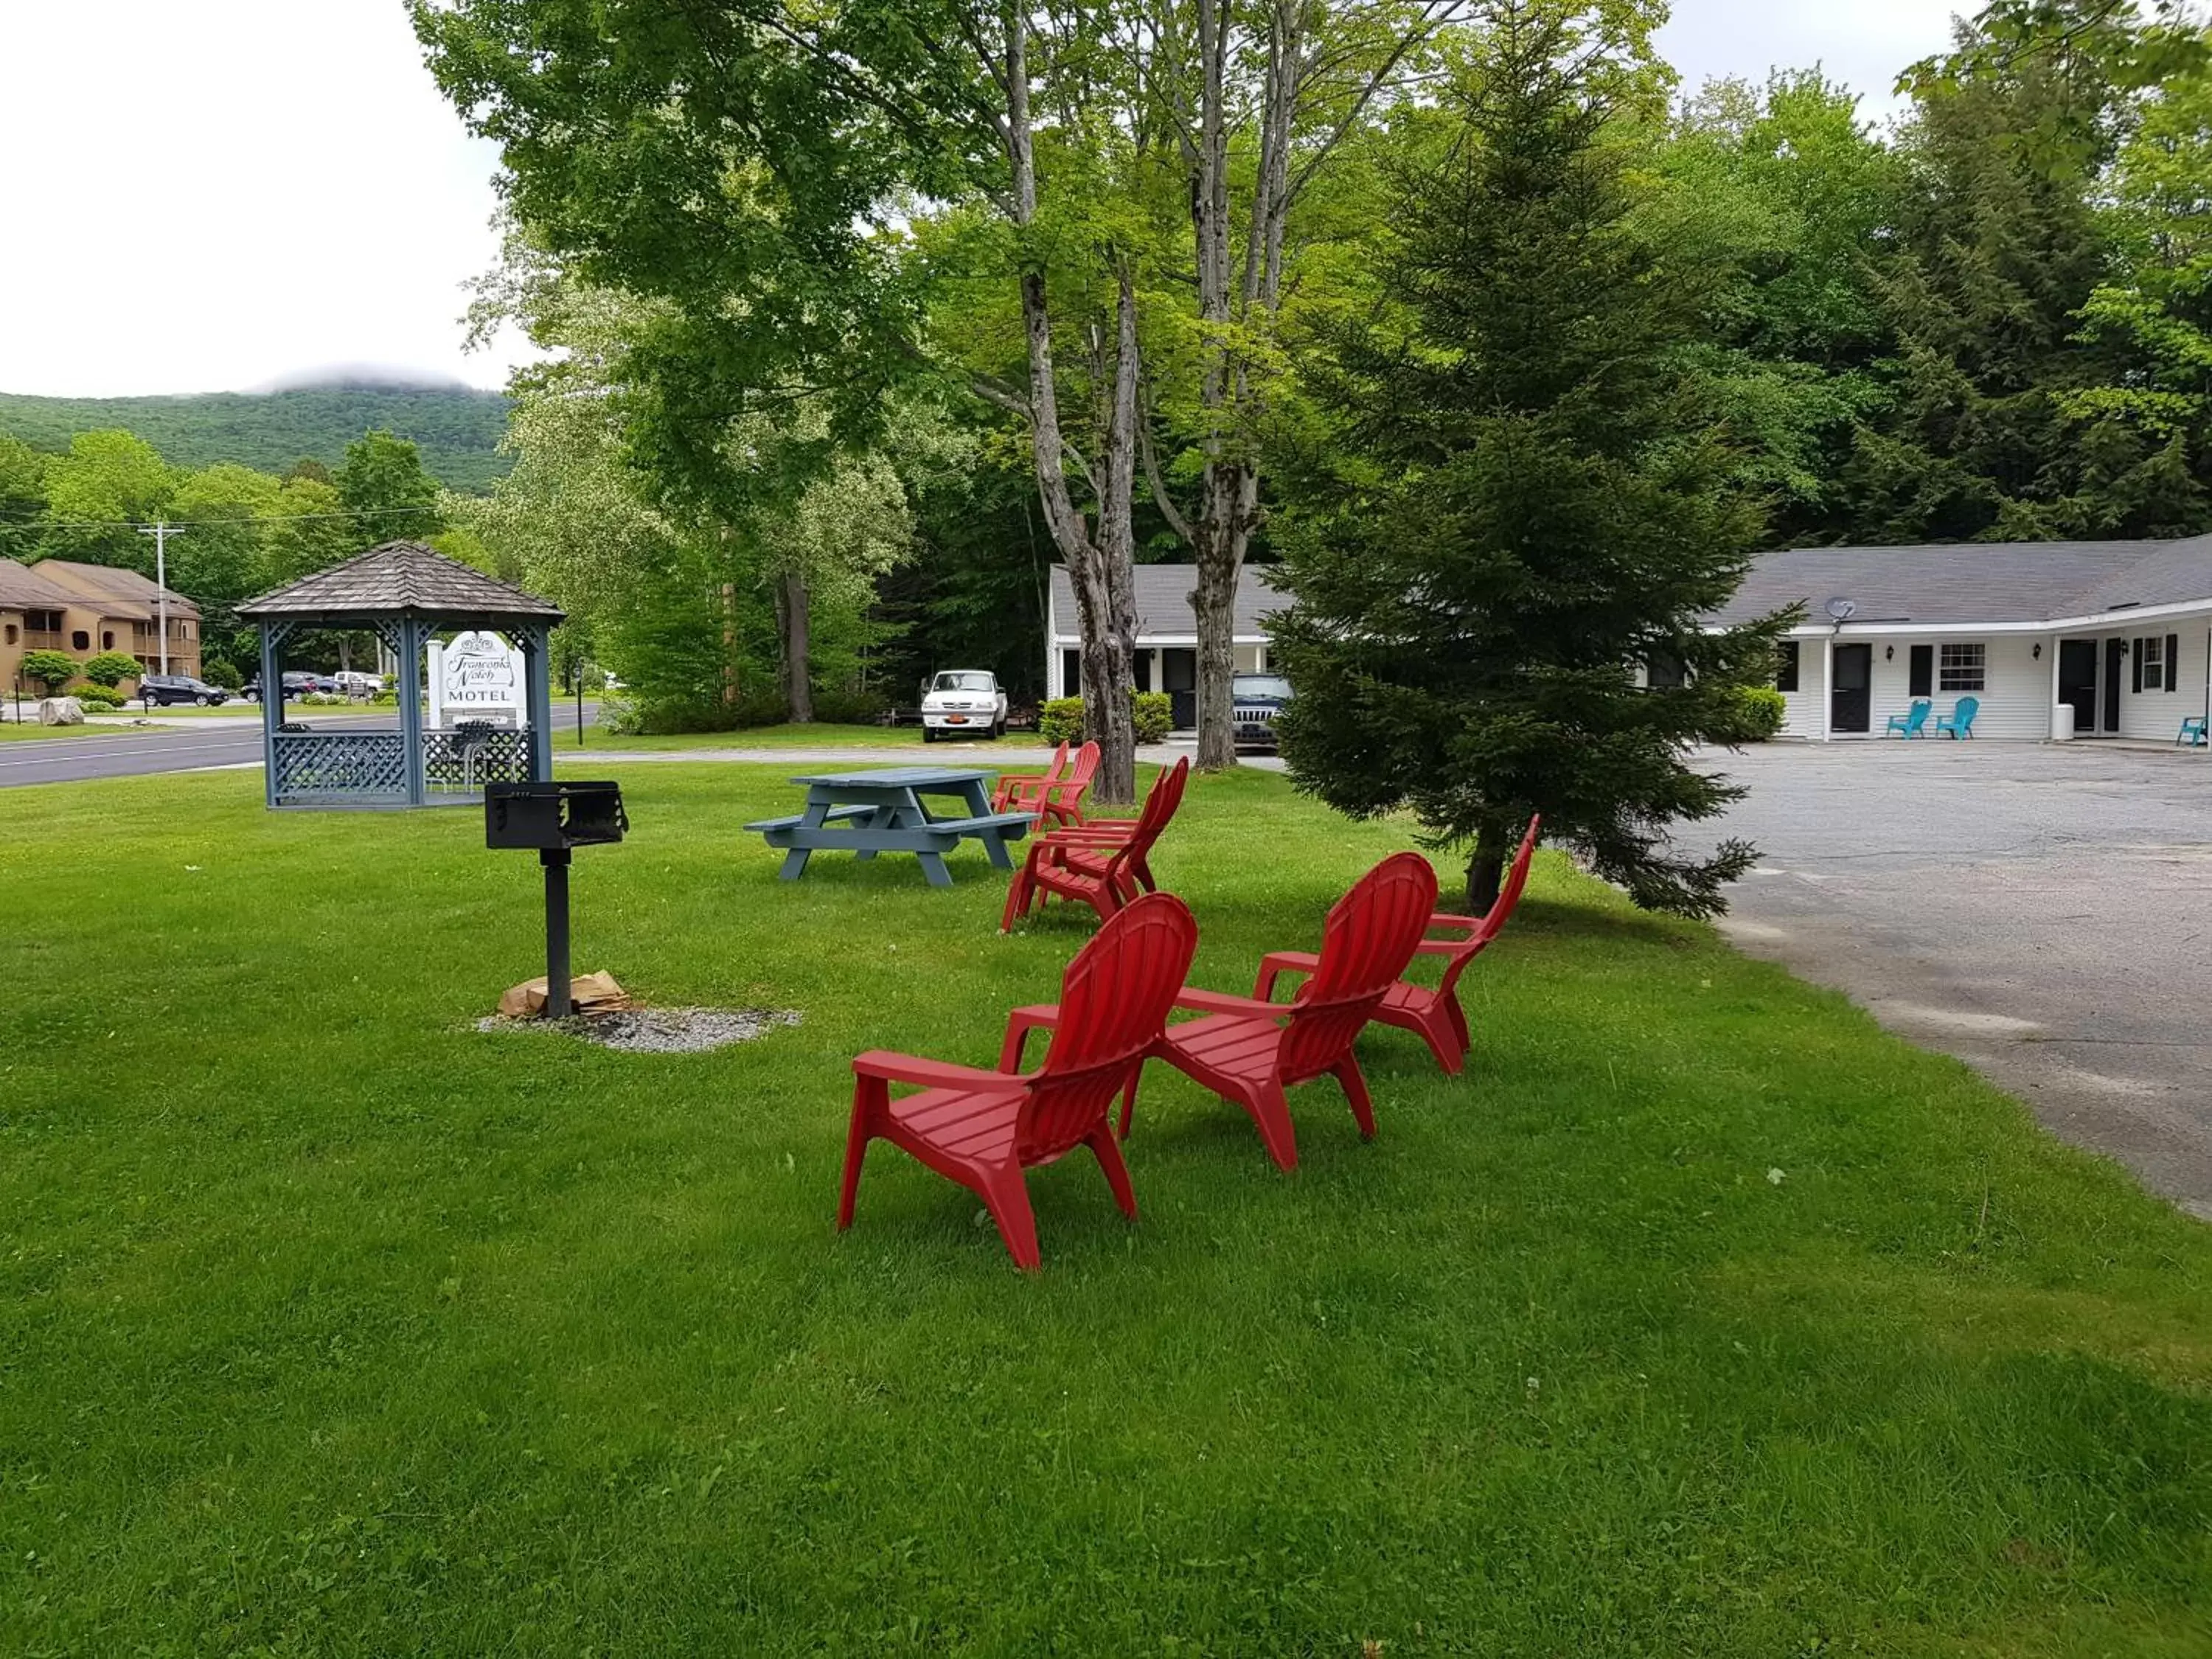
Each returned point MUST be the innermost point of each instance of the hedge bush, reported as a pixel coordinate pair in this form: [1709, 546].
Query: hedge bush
[850, 708]
[1762, 710]
[111, 669]
[1060, 721]
[51, 669]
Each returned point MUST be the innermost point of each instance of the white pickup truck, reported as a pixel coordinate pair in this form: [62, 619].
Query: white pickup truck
[962, 702]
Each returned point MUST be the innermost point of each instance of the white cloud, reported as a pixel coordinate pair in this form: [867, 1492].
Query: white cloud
[219, 195]
[208, 197]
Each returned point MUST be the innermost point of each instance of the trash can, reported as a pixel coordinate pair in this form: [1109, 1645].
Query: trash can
[2062, 722]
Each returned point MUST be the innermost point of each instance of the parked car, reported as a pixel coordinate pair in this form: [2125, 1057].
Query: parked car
[962, 702]
[354, 683]
[296, 684]
[166, 688]
[1255, 700]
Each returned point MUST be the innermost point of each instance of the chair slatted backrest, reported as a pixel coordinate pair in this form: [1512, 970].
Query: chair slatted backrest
[1159, 807]
[1113, 1004]
[1494, 919]
[1365, 944]
[1067, 790]
[1965, 713]
[1027, 786]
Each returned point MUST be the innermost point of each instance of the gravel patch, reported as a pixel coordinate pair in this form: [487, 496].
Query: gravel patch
[658, 1031]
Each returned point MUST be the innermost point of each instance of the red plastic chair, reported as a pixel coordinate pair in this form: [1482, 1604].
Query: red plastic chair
[1029, 786]
[1434, 1015]
[1103, 865]
[1249, 1051]
[1063, 798]
[983, 1128]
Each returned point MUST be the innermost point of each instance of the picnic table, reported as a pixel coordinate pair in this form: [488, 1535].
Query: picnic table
[880, 810]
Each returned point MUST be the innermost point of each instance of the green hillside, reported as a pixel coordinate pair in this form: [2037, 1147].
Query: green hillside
[457, 428]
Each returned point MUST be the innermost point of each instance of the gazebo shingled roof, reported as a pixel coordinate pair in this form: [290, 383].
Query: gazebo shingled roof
[402, 578]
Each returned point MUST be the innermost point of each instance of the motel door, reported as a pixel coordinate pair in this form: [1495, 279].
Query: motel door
[2077, 681]
[1850, 699]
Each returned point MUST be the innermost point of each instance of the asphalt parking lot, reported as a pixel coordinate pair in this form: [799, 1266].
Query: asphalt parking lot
[2041, 911]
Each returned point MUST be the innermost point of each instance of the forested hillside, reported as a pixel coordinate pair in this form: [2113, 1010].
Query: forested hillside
[457, 428]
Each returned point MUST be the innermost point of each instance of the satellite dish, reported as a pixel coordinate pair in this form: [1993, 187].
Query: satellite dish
[1840, 610]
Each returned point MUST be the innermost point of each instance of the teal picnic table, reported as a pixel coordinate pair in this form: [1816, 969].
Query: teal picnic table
[881, 811]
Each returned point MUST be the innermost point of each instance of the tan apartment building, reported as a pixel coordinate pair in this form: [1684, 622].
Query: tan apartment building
[83, 609]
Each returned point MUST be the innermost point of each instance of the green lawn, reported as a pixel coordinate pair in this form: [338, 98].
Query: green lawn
[819, 734]
[1703, 1318]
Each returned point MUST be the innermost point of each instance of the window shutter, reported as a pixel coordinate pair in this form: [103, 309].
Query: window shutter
[2135, 656]
[1785, 672]
[2172, 661]
[1923, 672]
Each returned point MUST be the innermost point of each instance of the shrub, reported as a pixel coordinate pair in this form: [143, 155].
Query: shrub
[850, 708]
[319, 700]
[51, 669]
[93, 703]
[1060, 721]
[1760, 712]
[111, 669]
[221, 670]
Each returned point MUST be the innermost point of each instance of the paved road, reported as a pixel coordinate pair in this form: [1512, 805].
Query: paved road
[119, 752]
[2042, 911]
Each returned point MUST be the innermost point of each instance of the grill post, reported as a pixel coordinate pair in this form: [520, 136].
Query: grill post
[556, 860]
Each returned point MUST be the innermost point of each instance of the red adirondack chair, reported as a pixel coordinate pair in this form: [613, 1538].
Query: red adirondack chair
[983, 1128]
[1103, 865]
[1011, 784]
[1248, 1050]
[1063, 798]
[1434, 1015]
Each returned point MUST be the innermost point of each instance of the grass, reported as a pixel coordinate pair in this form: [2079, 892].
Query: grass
[819, 734]
[1703, 1318]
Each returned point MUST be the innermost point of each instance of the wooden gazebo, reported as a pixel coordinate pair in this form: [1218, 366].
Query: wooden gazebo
[405, 592]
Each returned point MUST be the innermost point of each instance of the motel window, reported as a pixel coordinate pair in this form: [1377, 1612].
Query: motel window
[11, 633]
[2151, 661]
[1785, 665]
[80, 641]
[43, 621]
[1665, 671]
[1962, 668]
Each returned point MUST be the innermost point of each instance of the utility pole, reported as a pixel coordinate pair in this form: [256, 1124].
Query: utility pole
[161, 532]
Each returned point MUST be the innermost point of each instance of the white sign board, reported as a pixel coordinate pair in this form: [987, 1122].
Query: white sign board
[478, 677]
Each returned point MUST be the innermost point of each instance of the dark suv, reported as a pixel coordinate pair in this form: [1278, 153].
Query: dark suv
[1256, 700]
[296, 684]
[166, 688]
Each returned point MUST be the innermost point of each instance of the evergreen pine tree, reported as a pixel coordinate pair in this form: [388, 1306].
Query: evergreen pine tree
[1531, 499]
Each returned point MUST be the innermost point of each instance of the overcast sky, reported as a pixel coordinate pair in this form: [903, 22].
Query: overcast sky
[211, 197]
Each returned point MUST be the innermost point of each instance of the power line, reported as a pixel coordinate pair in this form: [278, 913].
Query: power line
[194, 524]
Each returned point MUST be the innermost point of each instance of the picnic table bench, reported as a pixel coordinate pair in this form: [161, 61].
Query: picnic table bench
[881, 811]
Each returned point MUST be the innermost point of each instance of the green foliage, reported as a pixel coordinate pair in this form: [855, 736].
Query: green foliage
[1531, 494]
[838, 707]
[1760, 712]
[383, 484]
[221, 670]
[457, 428]
[51, 669]
[110, 668]
[99, 702]
[1060, 719]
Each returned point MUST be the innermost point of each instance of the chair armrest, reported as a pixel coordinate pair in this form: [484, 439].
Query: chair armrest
[1440, 947]
[1442, 920]
[1195, 1000]
[1098, 829]
[1276, 963]
[1038, 1016]
[928, 1073]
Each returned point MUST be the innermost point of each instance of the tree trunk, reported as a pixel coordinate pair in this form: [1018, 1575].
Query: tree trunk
[1102, 592]
[791, 602]
[1485, 869]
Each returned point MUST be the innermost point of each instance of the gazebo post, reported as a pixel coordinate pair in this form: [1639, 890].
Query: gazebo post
[538, 676]
[411, 634]
[272, 706]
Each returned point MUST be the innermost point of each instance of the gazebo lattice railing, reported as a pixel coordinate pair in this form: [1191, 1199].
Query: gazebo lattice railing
[405, 592]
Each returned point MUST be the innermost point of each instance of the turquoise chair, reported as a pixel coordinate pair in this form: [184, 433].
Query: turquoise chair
[1914, 725]
[2193, 731]
[1959, 722]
